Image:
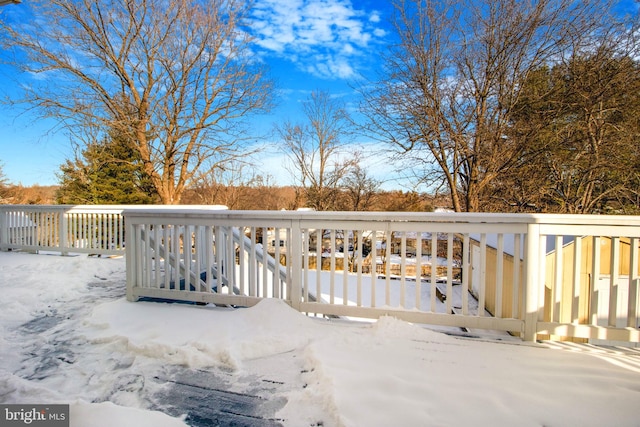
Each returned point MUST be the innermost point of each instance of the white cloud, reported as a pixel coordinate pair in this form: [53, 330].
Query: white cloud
[307, 31]
[330, 66]
[379, 32]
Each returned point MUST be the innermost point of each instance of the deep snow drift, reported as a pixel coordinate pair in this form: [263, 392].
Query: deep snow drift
[67, 335]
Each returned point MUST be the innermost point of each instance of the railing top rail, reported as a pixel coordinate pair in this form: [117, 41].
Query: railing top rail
[33, 208]
[221, 212]
[150, 208]
[67, 208]
[106, 208]
[439, 217]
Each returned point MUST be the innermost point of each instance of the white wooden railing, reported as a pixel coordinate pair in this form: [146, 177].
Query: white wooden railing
[93, 229]
[536, 276]
[62, 228]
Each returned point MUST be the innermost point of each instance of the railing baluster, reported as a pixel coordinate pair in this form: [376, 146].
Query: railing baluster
[332, 268]
[466, 270]
[265, 269]
[319, 236]
[359, 259]
[449, 300]
[633, 320]
[230, 261]
[138, 253]
[418, 272]
[274, 274]
[121, 233]
[99, 238]
[595, 279]
[577, 273]
[166, 245]
[542, 250]
[209, 256]
[482, 286]
[556, 284]
[515, 288]
[345, 267]
[175, 243]
[156, 254]
[253, 265]
[403, 268]
[387, 267]
[288, 282]
[434, 269]
[198, 256]
[499, 275]
[374, 266]
[242, 232]
[187, 256]
[359, 270]
[305, 263]
[614, 276]
[147, 256]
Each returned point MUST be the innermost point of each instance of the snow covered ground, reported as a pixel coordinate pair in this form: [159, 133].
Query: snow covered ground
[67, 335]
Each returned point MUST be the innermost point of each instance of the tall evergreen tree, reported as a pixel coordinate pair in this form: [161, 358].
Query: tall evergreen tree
[106, 172]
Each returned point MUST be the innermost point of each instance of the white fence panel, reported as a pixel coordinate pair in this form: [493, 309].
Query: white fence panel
[321, 263]
[62, 228]
[591, 280]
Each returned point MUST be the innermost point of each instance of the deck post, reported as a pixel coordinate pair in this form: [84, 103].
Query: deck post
[531, 282]
[4, 231]
[63, 237]
[130, 259]
[295, 258]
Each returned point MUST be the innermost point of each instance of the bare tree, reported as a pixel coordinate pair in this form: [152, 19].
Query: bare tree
[3, 187]
[360, 189]
[449, 86]
[315, 149]
[175, 76]
[229, 185]
[3, 179]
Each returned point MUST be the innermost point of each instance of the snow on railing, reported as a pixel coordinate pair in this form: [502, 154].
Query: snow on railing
[533, 275]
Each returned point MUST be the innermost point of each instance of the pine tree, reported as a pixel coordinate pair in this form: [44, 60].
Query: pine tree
[106, 172]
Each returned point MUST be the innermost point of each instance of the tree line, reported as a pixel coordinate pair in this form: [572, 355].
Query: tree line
[511, 106]
[254, 193]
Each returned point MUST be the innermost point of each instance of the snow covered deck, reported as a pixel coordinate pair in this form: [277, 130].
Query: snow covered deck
[68, 336]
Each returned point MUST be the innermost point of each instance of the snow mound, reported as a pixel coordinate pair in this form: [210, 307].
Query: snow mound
[199, 337]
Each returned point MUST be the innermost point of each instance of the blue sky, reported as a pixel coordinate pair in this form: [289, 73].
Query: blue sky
[308, 44]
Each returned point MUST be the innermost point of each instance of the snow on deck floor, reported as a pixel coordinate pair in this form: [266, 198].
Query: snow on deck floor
[67, 335]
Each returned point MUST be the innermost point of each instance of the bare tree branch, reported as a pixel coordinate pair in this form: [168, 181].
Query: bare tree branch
[175, 76]
[316, 149]
[449, 86]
